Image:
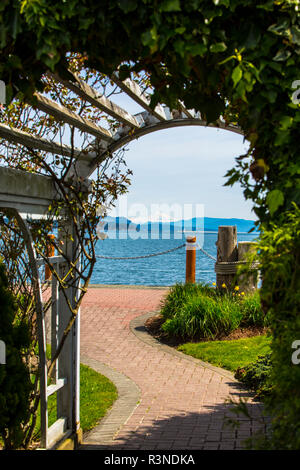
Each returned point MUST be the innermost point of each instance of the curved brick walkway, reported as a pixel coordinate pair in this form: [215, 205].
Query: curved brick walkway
[168, 400]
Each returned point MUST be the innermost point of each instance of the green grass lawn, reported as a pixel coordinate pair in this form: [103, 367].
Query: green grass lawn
[97, 395]
[229, 354]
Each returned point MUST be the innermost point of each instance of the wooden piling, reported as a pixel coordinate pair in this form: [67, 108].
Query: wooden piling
[227, 251]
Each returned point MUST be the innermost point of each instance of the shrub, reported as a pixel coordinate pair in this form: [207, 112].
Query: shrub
[194, 311]
[199, 316]
[256, 376]
[253, 314]
[15, 384]
[280, 292]
[178, 296]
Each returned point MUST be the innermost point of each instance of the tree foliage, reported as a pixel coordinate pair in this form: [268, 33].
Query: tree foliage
[15, 384]
[77, 207]
[280, 254]
[237, 59]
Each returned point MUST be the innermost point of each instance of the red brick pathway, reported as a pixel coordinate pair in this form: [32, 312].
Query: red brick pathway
[182, 403]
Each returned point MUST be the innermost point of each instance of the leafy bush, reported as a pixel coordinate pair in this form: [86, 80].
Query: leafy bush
[179, 294]
[253, 314]
[199, 311]
[256, 376]
[15, 384]
[280, 293]
[204, 316]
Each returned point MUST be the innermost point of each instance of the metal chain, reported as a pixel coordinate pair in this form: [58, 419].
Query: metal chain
[155, 254]
[144, 256]
[207, 254]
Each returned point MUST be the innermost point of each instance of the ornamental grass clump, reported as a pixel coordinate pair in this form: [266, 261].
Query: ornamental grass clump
[196, 311]
[179, 294]
[204, 316]
[253, 314]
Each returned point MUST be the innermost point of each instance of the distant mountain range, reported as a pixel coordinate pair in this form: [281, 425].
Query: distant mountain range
[208, 224]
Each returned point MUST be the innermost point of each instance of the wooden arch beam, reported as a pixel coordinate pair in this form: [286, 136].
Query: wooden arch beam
[86, 92]
[31, 141]
[168, 124]
[61, 113]
[133, 90]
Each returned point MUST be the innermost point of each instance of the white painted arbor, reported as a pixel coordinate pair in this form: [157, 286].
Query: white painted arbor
[28, 194]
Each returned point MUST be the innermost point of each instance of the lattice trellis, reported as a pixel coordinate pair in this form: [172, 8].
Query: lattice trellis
[28, 193]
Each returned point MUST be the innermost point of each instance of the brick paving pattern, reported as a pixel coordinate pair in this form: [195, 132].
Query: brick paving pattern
[182, 402]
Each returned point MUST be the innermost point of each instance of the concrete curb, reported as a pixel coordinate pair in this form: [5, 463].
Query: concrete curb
[128, 399]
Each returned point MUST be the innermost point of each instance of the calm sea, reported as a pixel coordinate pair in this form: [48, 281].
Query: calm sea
[163, 270]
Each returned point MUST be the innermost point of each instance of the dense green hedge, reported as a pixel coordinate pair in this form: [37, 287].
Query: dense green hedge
[280, 255]
[15, 384]
[257, 376]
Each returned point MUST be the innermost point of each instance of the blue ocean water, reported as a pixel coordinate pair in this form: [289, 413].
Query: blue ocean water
[164, 270]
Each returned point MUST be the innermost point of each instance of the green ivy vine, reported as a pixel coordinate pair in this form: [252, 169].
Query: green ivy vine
[237, 59]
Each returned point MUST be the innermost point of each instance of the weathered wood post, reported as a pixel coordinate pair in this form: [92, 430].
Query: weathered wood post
[226, 252]
[49, 253]
[248, 281]
[190, 271]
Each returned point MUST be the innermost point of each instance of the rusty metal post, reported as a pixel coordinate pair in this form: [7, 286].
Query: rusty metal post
[190, 272]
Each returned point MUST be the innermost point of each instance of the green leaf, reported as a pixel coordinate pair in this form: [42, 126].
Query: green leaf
[271, 95]
[180, 29]
[149, 38]
[280, 28]
[179, 47]
[198, 49]
[128, 5]
[170, 5]
[222, 2]
[236, 75]
[282, 55]
[286, 122]
[218, 47]
[295, 35]
[275, 199]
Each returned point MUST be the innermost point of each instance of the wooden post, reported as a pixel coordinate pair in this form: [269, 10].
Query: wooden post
[190, 272]
[226, 251]
[49, 253]
[69, 360]
[247, 282]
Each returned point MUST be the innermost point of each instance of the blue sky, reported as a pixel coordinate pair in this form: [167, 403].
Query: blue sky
[185, 166]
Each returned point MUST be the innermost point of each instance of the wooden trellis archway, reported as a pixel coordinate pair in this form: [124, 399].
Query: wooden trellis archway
[30, 194]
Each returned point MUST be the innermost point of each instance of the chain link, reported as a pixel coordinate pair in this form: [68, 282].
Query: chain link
[207, 254]
[143, 256]
[154, 254]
